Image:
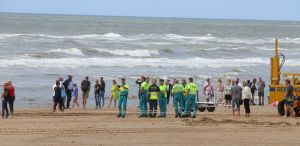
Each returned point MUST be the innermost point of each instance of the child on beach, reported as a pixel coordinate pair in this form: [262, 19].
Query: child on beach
[75, 95]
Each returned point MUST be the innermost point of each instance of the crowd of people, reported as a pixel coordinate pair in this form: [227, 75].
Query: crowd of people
[154, 93]
[8, 98]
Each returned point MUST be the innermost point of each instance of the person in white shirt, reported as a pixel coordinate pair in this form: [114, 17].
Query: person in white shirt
[227, 93]
[246, 96]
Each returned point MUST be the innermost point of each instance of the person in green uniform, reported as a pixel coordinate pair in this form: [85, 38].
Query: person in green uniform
[153, 96]
[177, 92]
[114, 93]
[162, 99]
[123, 98]
[192, 92]
[183, 83]
[143, 97]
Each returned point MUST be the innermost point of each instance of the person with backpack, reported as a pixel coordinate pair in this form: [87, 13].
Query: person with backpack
[85, 88]
[68, 85]
[5, 100]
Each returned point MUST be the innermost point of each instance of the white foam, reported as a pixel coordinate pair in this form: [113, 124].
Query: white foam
[197, 62]
[71, 51]
[133, 53]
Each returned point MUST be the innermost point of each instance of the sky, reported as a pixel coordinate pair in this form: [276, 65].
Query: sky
[222, 9]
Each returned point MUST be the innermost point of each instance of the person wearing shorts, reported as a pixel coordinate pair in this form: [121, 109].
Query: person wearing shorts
[227, 93]
[236, 92]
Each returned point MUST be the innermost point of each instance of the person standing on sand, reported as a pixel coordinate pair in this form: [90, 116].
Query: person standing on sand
[289, 98]
[169, 90]
[85, 88]
[143, 97]
[97, 96]
[57, 99]
[12, 97]
[208, 90]
[153, 96]
[162, 99]
[246, 96]
[139, 81]
[5, 99]
[101, 92]
[68, 84]
[75, 95]
[253, 89]
[192, 92]
[177, 92]
[227, 93]
[114, 93]
[220, 90]
[123, 98]
[236, 92]
[261, 91]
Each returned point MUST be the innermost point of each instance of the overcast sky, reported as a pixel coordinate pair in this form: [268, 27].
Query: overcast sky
[225, 9]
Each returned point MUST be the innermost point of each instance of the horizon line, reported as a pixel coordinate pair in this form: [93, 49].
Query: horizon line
[157, 17]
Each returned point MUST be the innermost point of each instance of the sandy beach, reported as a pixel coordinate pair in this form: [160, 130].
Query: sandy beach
[101, 127]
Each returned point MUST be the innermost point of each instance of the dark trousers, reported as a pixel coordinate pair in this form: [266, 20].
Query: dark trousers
[247, 105]
[57, 101]
[168, 96]
[11, 104]
[153, 107]
[4, 107]
[69, 97]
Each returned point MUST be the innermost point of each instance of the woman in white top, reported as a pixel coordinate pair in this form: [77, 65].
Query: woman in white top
[247, 96]
[227, 93]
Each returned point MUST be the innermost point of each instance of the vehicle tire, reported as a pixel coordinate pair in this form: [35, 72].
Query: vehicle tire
[280, 108]
[201, 109]
[211, 109]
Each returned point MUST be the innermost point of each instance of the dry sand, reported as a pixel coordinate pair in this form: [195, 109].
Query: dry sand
[101, 127]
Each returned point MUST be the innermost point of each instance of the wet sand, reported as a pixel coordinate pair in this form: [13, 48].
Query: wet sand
[91, 127]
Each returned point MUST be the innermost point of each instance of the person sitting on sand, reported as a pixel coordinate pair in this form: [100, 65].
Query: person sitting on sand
[57, 99]
[75, 95]
[236, 92]
[246, 96]
[114, 93]
[85, 88]
[289, 98]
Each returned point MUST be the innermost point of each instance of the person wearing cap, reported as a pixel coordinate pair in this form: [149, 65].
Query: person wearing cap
[143, 97]
[177, 92]
[123, 98]
[85, 88]
[162, 99]
[153, 96]
[192, 92]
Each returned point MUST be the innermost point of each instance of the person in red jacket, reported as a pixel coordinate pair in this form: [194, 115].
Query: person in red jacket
[12, 97]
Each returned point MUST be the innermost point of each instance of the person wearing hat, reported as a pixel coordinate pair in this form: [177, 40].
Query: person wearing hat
[143, 97]
[123, 89]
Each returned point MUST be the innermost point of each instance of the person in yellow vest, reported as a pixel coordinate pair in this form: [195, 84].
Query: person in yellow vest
[177, 92]
[123, 98]
[143, 96]
[162, 99]
[183, 83]
[153, 96]
[192, 92]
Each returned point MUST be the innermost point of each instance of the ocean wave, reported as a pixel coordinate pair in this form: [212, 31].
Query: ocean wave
[132, 53]
[196, 62]
[71, 51]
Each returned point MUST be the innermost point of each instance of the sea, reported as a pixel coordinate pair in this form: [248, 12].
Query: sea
[37, 49]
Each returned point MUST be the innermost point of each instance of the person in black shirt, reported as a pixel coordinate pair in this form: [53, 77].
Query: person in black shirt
[57, 99]
[153, 96]
[68, 84]
[169, 90]
[101, 91]
[139, 81]
[85, 88]
[97, 97]
[253, 89]
[5, 100]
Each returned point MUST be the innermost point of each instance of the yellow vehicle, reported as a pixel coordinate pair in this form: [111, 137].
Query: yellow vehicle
[277, 90]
